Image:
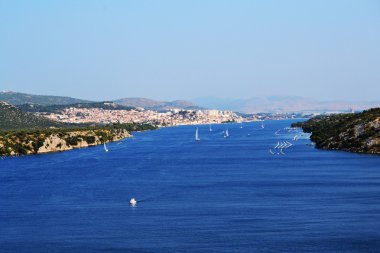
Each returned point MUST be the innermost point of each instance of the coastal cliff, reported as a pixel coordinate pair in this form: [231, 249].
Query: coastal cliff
[359, 132]
[23, 133]
[39, 142]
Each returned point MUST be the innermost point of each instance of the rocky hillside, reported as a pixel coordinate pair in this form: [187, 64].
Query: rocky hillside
[38, 142]
[358, 132]
[17, 98]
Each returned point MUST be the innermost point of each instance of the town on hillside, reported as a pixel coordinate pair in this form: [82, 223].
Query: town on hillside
[171, 117]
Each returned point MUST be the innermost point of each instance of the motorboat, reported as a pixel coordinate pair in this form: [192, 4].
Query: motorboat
[133, 202]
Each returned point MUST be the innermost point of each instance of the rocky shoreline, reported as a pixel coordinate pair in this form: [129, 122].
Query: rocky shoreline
[358, 132]
[25, 143]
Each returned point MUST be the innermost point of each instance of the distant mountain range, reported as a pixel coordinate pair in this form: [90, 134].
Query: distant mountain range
[157, 105]
[42, 102]
[273, 104]
[17, 98]
[281, 104]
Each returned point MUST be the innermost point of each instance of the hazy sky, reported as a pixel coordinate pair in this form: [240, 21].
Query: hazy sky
[104, 50]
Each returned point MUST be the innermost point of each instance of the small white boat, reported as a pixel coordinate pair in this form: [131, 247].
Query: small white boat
[105, 147]
[210, 128]
[262, 124]
[196, 135]
[133, 202]
[241, 124]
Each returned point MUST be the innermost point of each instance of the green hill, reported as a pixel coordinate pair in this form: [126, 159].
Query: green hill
[12, 118]
[57, 108]
[359, 132]
[17, 98]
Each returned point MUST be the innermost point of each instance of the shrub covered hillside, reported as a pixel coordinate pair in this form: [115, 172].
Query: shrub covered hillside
[358, 132]
[58, 108]
[12, 118]
[17, 98]
[37, 141]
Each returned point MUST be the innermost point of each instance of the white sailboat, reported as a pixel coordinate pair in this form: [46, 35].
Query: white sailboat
[262, 124]
[210, 129]
[226, 134]
[241, 124]
[105, 147]
[197, 135]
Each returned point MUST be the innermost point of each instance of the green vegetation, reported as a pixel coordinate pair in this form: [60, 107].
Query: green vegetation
[358, 132]
[17, 98]
[12, 118]
[58, 108]
[14, 142]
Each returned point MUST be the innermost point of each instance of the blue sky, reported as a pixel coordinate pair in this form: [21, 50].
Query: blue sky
[168, 50]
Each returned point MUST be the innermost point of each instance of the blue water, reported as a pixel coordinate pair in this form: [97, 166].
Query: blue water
[218, 195]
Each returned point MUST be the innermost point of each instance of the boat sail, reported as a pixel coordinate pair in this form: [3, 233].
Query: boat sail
[226, 134]
[105, 147]
[197, 135]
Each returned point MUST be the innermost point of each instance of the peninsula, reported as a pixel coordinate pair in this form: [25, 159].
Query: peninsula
[354, 132]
